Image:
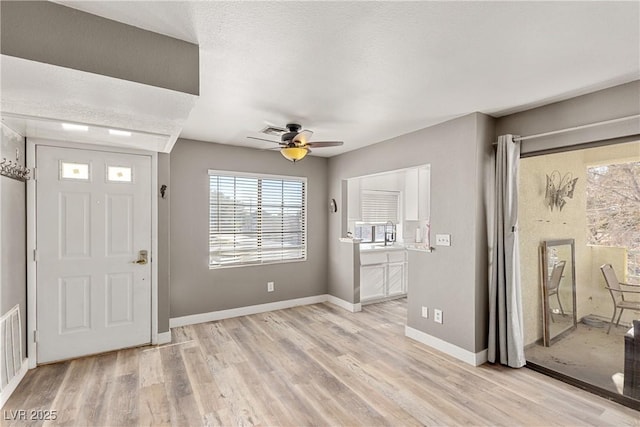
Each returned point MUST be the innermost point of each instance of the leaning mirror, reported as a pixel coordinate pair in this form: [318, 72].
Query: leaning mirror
[558, 282]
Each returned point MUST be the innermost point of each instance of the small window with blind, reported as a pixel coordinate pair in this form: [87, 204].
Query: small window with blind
[256, 219]
[377, 207]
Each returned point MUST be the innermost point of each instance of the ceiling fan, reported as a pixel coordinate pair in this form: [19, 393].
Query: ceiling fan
[295, 144]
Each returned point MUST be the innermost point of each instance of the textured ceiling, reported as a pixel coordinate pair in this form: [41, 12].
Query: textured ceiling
[363, 72]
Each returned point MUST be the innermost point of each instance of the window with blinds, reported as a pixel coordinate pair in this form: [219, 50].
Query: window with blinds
[379, 206]
[256, 219]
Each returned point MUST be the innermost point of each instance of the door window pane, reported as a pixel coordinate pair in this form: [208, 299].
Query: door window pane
[75, 171]
[119, 174]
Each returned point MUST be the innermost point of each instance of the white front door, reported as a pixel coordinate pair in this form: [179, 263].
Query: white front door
[93, 223]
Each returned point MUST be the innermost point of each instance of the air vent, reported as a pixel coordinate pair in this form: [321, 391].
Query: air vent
[272, 130]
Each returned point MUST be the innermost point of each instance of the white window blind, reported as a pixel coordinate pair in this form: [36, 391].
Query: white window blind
[379, 206]
[256, 219]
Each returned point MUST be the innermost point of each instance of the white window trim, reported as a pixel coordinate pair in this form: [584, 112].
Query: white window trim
[237, 174]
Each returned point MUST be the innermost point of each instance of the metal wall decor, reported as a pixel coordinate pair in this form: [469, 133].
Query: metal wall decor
[559, 188]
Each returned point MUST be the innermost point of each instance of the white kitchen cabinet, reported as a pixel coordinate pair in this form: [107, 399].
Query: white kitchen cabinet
[424, 184]
[373, 278]
[383, 274]
[353, 200]
[396, 273]
[411, 194]
[416, 194]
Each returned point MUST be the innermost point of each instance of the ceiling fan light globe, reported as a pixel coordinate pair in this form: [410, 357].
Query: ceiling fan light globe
[294, 154]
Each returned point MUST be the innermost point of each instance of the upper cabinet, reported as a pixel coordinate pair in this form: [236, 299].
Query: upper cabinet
[411, 195]
[416, 194]
[353, 198]
[424, 192]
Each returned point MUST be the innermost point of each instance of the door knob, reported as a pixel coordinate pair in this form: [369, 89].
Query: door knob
[142, 258]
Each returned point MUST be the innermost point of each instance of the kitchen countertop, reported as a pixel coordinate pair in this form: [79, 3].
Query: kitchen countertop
[418, 247]
[368, 247]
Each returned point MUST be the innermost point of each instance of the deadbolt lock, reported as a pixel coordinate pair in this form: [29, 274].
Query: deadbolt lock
[142, 257]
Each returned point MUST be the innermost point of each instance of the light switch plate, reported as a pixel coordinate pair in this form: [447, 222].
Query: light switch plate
[425, 312]
[443, 239]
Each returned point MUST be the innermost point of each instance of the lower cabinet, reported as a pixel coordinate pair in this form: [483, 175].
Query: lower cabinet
[396, 278]
[383, 274]
[372, 281]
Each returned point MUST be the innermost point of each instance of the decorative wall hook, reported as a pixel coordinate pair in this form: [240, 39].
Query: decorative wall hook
[14, 170]
[558, 188]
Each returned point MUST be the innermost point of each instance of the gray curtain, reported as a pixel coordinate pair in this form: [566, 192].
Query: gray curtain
[506, 344]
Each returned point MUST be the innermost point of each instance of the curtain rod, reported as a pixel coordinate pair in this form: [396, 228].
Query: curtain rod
[571, 129]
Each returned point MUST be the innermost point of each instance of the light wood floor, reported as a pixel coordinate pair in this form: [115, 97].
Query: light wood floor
[311, 365]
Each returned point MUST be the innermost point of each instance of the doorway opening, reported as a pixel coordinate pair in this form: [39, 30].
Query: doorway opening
[590, 197]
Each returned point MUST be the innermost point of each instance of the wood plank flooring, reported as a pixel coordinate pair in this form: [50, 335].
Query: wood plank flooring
[305, 366]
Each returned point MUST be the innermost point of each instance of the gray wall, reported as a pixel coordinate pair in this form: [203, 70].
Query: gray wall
[453, 279]
[54, 34]
[163, 258]
[607, 104]
[197, 289]
[13, 263]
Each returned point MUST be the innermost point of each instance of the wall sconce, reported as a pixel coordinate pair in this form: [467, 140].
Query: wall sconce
[333, 206]
[558, 188]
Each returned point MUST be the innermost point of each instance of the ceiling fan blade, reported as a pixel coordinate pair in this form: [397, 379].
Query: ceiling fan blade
[318, 144]
[263, 139]
[303, 137]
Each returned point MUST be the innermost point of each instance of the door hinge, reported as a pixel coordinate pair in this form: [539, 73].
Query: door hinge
[36, 256]
[34, 173]
[35, 336]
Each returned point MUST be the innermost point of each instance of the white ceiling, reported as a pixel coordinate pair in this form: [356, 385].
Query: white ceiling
[363, 72]
[38, 97]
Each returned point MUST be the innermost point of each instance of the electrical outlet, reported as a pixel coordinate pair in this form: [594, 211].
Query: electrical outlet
[437, 315]
[443, 239]
[270, 287]
[425, 312]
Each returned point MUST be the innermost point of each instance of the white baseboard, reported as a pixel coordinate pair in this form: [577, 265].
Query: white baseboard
[11, 386]
[164, 337]
[475, 359]
[354, 308]
[244, 311]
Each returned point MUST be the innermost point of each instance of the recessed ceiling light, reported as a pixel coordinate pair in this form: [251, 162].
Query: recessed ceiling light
[119, 132]
[71, 126]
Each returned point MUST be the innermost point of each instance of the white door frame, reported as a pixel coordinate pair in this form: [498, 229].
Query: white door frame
[31, 234]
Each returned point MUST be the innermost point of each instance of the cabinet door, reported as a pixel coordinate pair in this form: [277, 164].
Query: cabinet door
[372, 281]
[396, 278]
[411, 193]
[353, 199]
[423, 193]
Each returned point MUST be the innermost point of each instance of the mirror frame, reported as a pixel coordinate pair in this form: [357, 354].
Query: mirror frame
[544, 275]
